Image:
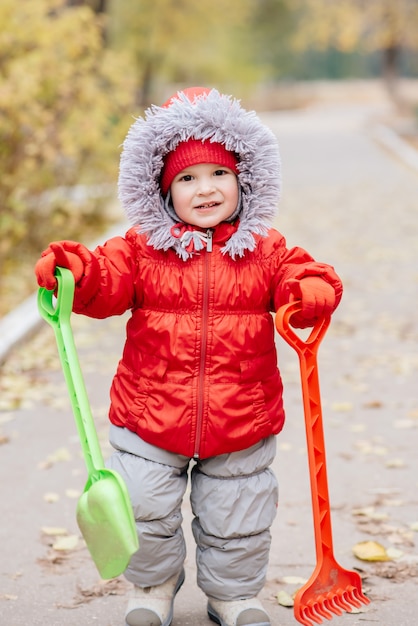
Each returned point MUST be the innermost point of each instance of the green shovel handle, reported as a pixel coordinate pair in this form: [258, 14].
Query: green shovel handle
[58, 317]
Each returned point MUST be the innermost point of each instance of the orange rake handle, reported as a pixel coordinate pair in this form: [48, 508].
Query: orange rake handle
[331, 589]
[307, 352]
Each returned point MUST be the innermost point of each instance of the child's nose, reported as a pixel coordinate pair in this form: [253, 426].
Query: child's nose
[206, 185]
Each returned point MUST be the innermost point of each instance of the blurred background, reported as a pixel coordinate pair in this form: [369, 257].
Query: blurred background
[74, 74]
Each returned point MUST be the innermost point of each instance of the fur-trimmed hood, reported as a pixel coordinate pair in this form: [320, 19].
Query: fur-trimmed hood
[209, 116]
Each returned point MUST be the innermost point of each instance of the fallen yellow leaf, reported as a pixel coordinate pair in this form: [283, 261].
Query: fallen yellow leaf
[395, 463]
[366, 511]
[370, 513]
[357, 428]
[54, 531]
[284, 599]
[51, 497]
[69, 542]
[293, 580]
[60, 455]
[394, 553]
[392, 502]
[72, 493]
[370, 551]
[367, 447]
[342, 407]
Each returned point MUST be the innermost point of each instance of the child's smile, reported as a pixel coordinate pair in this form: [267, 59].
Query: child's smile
[207, 205]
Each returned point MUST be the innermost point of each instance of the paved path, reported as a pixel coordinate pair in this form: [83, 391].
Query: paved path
[351, 203]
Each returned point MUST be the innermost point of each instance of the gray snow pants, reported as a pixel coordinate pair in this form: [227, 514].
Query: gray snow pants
[234, 500]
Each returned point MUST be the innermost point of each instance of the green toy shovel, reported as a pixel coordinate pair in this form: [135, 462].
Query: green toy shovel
[104, 511]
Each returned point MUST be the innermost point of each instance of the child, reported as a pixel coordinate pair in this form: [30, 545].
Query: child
[201, 271]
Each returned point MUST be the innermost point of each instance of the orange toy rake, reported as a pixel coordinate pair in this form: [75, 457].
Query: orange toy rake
[331, 590]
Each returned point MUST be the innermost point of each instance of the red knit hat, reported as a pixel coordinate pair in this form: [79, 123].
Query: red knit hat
[193, 152]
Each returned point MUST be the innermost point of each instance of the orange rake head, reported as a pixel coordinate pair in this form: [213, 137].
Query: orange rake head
[330, 591]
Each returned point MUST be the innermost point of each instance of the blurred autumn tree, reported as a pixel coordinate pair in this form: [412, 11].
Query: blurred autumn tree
[185, 42]
[368, 25]
[272, 25]
[64, 100]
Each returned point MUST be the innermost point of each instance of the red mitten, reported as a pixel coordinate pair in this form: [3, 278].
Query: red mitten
[317, 299]
[58, 253]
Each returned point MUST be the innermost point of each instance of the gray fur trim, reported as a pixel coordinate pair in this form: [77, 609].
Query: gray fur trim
[214, 117]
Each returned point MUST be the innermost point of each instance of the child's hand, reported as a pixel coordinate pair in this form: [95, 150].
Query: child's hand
[61, 253]
[317, 299]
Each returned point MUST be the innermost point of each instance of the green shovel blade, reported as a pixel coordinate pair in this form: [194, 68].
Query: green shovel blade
[104, 516]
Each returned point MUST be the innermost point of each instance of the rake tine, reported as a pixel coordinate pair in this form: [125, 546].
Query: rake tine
[307, 616]
[342, 605]
[331, 605]
[359, 595]
[342, 601]
[304, 620]
[352, 598]
[320, 608]
[314, 615]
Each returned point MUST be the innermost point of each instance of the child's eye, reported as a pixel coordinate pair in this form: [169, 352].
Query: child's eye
[186, 177]
[219, 172]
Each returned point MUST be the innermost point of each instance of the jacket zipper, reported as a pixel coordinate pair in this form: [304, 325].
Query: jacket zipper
[203, 344]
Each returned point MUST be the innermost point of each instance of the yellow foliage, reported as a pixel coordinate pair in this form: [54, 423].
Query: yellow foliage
[205, 41]
[64, 105]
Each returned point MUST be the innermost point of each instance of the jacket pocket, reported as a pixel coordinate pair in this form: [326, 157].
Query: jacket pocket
[140, 365]
[261, 378]
[260, 414]
[259, 368]
[136, 387]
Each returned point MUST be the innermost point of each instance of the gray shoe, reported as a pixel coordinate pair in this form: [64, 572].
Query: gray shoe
[248, 612]
[153, 606]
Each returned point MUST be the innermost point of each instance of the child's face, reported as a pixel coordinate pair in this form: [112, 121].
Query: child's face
[205, 195]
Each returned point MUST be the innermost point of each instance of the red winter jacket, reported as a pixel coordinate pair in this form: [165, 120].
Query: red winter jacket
[199, 372]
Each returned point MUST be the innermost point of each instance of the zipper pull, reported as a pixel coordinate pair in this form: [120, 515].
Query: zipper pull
[209, 234]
